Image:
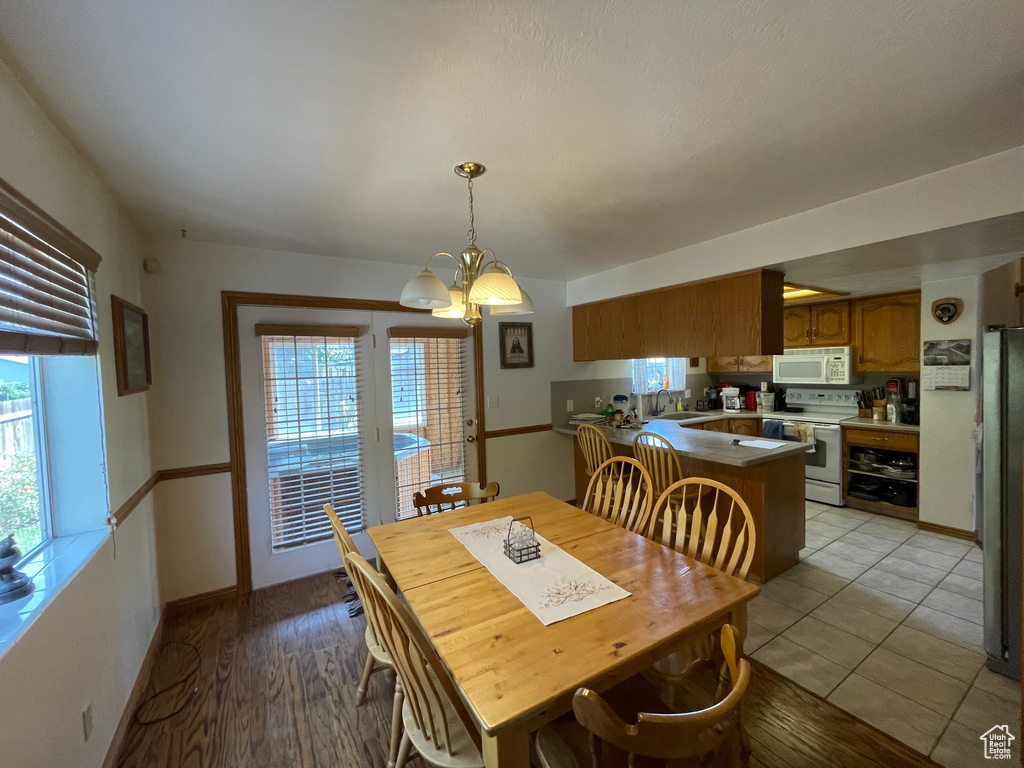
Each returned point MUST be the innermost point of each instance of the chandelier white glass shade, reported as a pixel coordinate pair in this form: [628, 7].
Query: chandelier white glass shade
[485, 281]
[525, 307]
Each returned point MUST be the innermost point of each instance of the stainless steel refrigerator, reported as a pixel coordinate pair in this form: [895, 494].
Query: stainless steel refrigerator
[1003, 496]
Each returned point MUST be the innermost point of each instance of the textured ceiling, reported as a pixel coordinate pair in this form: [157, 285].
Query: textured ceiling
[612, 131]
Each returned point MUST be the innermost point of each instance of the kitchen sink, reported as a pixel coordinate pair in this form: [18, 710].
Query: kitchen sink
[680, 416]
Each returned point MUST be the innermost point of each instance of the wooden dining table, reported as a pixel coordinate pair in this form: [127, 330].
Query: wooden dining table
[515, 674]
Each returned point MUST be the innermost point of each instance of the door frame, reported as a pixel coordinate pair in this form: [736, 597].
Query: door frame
[230, 302]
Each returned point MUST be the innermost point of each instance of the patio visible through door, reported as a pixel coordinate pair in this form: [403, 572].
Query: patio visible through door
[322, 393]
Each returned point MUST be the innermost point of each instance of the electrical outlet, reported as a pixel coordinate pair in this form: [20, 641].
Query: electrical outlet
[687, 394]
[87, 721]
[598, 403]
[492, 401]
[706, 391]
[568, 406]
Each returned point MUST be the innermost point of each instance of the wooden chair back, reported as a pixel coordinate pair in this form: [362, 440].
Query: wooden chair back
[345, 544]
[429, 692]
[706, 520]
[439, 498]
[620, 491]
[595, 447]
[659, 458]
[692, 735]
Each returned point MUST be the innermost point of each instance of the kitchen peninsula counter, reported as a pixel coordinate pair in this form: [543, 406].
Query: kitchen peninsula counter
[707, 446]
[770, 481]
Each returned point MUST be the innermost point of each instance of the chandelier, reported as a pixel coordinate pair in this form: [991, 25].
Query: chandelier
[485, 281]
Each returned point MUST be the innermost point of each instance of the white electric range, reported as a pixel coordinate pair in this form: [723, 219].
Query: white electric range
[823, 409]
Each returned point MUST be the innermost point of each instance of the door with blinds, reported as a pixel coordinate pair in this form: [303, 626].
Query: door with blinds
[353, 409]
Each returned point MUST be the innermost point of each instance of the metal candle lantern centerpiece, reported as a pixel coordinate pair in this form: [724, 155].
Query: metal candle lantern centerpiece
[521, 544]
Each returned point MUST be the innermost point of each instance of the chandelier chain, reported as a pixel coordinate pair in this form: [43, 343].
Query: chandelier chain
[471, 234]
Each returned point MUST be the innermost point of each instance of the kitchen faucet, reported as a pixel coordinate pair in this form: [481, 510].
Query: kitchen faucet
[657, 402]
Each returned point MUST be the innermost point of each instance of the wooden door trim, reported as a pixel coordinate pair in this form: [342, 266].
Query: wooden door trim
[230, 303]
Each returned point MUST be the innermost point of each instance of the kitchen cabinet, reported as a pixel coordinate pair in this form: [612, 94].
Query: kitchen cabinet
[721, 425]
[866, 486]
[607, 330]
[745, 427]
[737, 314]
[736, 364]
[887, 334]
[816, 325]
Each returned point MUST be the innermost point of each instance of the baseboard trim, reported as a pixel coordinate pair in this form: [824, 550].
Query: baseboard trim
[202, 600]
[135, 697]
[946, 530]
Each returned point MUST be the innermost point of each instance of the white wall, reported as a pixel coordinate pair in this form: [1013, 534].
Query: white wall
[89, 643]
[948, 450]
[188, 412]
[984, 188]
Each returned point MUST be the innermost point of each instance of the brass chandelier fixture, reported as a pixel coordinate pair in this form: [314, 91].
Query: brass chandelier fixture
[485, 281]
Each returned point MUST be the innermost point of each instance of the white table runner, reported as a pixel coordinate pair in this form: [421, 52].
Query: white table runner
[553, 587]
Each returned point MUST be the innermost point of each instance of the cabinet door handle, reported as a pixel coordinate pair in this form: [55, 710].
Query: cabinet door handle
[814, 332]
[807, 334]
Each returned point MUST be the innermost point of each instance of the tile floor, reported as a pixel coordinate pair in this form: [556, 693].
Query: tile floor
[885, 621]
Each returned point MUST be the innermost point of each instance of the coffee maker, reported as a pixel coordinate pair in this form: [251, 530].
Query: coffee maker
[731, 400]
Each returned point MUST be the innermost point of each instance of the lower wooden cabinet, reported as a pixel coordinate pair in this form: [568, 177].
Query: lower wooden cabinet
[722, 425]
[750, 427]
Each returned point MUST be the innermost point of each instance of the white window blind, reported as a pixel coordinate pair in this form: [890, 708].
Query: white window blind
[47, 298]
[314, 452]
[428, 388]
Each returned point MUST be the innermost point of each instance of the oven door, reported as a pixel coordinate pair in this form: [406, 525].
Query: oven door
[824, 463]
[800, 369]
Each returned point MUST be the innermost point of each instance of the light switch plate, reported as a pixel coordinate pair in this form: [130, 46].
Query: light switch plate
[568, 406]
[687, 394]
[598, 403]
[492, 401]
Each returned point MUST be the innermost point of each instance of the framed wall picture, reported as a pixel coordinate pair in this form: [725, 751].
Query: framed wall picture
[131, 347]
[516, 345]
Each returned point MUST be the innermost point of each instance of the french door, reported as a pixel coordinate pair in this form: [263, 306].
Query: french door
[354, 409]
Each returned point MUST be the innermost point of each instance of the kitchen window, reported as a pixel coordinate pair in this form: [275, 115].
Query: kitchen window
[654, 373]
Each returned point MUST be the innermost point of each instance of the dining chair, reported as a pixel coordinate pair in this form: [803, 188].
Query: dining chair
[436, 722]
[377, 656]
[447, 496]
[708, 737]
[708, 521]
[659, 458]
[620, 491]
[594, 445]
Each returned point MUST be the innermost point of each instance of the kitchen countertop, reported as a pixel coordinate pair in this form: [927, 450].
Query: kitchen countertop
[872, 424]
[856, 421]
[698, 444]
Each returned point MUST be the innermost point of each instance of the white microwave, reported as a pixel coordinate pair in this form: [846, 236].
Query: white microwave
[821, 365]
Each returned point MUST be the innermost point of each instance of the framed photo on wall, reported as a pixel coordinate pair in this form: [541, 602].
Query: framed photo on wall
[131, 347]
[516, 345]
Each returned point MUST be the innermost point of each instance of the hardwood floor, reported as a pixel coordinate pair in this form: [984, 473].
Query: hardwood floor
[275, 683]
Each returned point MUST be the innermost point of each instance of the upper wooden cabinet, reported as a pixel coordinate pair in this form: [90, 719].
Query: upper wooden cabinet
[817, 325]
[733, 315]
[887, 334]
[796, 327]
[607, 330]
[737, 364]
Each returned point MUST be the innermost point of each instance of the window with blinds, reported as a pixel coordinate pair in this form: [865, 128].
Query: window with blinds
[314, 451]
[47, 298]
[428, 385]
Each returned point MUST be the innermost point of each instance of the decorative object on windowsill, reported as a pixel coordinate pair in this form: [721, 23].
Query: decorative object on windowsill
[521, 543]
[515, 345]
[947, 310]
[14, 585]
[131, 347]
[483, 282]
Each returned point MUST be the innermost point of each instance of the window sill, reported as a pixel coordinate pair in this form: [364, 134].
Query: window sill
[52, 568]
